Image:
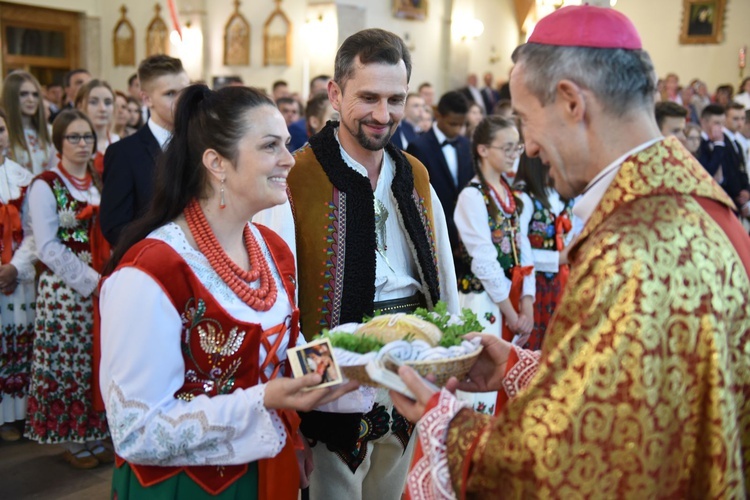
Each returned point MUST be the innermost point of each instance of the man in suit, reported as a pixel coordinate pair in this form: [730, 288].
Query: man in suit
[472, 93]
[408, 129]
[718, 156]
[447, 155]
[671, 118]
[489, 94]
[129, 164]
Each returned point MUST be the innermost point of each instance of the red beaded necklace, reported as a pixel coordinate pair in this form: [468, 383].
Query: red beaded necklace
[80, 184]
[261, 298]
[510, 207]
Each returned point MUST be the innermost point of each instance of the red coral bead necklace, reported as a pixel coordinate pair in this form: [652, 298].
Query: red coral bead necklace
[261, 298]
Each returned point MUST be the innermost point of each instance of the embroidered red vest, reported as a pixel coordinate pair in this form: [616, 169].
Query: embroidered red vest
[221, 355]
[10, 222]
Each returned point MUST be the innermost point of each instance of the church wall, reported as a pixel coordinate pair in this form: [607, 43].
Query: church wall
[659, 24]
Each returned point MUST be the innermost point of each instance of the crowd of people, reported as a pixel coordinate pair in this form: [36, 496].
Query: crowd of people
[593, 226]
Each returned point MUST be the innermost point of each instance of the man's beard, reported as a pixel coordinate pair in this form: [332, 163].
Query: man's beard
[373, 144]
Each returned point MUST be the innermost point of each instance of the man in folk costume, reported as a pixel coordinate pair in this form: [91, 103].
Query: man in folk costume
[642, 384]
[370, 235]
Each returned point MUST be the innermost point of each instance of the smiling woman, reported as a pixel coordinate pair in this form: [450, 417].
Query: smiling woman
[216, 304]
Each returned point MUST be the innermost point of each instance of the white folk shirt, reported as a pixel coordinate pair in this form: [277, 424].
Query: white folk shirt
[471, 219]
[44, 224]
[142, 367]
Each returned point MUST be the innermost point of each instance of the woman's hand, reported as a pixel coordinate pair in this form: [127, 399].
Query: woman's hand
[290, 393]
[305, 462]
[8, 278]
[410, 409]
[488, 372]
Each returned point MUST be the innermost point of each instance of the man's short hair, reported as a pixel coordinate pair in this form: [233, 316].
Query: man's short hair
[668, 109]
[279, 83]
[453, 102]
[371, 46]
[316, 105]
[735, 105]
[620, 79]
[132, 78]
[70, 74]
[156, 66]
[713, 110]
[285, 100]
[410, 95]
[425, 84]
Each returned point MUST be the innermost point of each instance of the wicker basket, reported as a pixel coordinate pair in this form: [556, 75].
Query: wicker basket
[442, 370]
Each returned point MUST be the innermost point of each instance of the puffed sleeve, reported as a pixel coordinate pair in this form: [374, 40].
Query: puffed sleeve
[141, 369]
[471, 221]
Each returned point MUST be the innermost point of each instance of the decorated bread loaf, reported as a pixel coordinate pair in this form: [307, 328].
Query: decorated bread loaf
[390, 327]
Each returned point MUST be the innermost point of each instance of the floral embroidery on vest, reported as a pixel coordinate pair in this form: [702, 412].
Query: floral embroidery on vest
[218, 375]
[72, 232]
[335, 256]
[542, 226]
[502, 230]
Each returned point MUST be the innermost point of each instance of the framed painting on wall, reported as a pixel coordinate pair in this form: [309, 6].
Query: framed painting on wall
[702, 21]
[410, 9]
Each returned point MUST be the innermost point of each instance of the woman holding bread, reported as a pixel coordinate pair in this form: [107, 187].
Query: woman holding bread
[499, 286]
[206, 410]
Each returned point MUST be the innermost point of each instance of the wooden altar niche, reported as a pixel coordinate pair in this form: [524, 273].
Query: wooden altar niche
[123, 41]
[277, 38]
[157, 35]
[237, 39]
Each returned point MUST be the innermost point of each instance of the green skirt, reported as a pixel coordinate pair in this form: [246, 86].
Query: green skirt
[125, 486]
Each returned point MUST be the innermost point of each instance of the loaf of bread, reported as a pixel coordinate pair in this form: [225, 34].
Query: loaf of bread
[390, 327]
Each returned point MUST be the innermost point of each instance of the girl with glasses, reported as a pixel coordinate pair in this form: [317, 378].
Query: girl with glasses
[97, 100]
[498, 279]
[17, 297]
[63, 207]
[30, 143]
[547, 220]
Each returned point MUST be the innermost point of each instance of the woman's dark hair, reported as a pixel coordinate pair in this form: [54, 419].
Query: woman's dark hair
[533, 178]
[59, 130]
[204, 119]
[484, 134]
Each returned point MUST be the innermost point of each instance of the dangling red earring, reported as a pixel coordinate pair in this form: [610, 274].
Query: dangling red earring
[222, 202]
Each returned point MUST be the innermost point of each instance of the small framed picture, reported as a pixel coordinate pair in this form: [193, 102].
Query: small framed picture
[702, 21]
[315, 357]
[410, 9]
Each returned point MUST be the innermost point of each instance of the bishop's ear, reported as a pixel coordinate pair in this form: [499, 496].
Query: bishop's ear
[571, 97]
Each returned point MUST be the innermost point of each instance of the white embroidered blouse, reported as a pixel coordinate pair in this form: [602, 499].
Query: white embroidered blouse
[142, 367]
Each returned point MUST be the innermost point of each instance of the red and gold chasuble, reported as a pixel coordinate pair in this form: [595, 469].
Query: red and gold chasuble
[643, 384]
[221, 355]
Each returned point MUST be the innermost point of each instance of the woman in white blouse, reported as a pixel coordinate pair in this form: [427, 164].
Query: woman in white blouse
[30, 144]
[199, 311]
[498, 281]
[18, 292]
[62, 204]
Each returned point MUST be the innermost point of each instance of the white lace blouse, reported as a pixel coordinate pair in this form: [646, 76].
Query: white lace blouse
[142, 367]
[471, 220]
[13, 177]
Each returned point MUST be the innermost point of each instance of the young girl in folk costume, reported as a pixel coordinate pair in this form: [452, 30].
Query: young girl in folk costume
[546, 219]
[62, 204]
[30, 144]
[18, 290]
[97, 100]
[205, 409]
[500, 284]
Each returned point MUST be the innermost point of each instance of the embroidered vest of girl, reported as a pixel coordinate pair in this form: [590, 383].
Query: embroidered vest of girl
[334, 217]
[501, 230]
[543, 228]
[212, 339]
[10, 226]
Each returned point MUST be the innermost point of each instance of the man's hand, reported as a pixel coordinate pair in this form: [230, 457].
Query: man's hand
[716, 133]
[488, 372]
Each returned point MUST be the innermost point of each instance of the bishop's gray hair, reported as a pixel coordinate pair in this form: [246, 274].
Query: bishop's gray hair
[620, 79]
